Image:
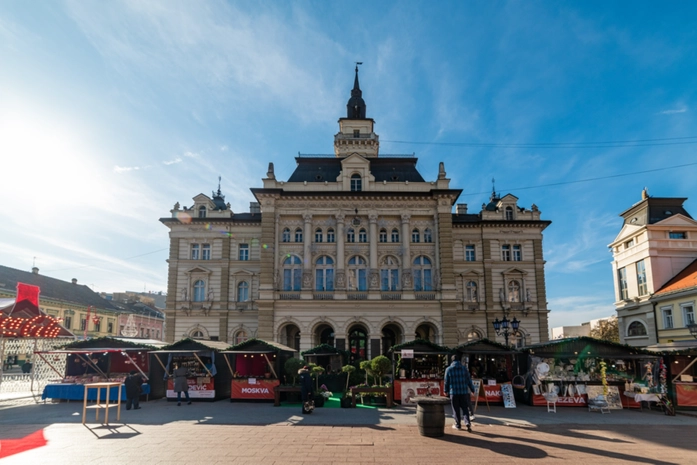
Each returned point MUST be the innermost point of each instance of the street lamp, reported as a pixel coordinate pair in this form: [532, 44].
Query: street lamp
[501, 327]
[693, 329]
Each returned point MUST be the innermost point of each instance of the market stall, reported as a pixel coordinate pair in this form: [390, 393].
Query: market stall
[491, 362]
[419, 367]
[681, 364]
[208, 378]
[95, 360]
[578, 371]
[256, 368]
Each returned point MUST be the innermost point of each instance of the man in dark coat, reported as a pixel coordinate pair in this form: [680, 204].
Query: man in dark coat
[305, 385]
[133, 383]
[458, 385]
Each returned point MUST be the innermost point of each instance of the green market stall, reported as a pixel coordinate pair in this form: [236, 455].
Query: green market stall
[419, 367]
[491, 362]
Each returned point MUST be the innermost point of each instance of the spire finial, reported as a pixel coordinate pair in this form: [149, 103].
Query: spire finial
[356, 105]
[645, 193]
[493, 186]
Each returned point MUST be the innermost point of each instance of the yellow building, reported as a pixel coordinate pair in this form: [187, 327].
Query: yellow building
[674, 305]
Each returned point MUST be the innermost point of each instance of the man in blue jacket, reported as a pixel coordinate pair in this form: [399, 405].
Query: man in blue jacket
[458, 385]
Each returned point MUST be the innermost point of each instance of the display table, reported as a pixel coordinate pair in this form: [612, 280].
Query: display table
[430, 415]
[107, 386]
[253, 388]
[383, 390]
[279, 389]
[77, 392]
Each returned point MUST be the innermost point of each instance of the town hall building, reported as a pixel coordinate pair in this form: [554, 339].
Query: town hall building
[356, 250]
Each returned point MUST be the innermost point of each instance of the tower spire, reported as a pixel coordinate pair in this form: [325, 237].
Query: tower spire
[355, 108]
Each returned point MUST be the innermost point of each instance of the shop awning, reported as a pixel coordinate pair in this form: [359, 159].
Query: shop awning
[421, 347]
[258, 346]
[585, 346]
[484, 346]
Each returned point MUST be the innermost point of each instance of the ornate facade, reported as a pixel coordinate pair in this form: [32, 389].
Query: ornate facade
[356, 250]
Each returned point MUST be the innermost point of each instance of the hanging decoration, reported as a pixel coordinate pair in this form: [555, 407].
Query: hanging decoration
[663, 377]
[130, 330]
[603, 377]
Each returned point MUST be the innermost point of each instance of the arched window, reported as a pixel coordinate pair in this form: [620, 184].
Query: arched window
[356, 183]
[243, 291]
[428, 237]
[358, 343]
[197, 334]
[362, 236]
[202, 211]
[636, 328]
[240, 336]
[509, 213]
[383, 235]
[350, 235]
[415, 237]
[422, 274]
[357, 274]
[395, 235]
[286, 235]
[199, 291]
[473, 335]
[292, 273]
[513, 291]
[298, 235]
[518, 340]
[330, 235]
[324, 274]
[318, 235]
[471, 291]
[389, 274]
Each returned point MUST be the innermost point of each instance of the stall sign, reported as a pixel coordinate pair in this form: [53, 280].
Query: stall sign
[414, 388]
[407, 353]
[686, 394]
[258, 389]
[507, 394]
[196, 390]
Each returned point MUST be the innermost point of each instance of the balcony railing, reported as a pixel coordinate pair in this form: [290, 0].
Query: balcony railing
[357, 295]
[289, 295]
[391, 296]
[425, 295]
[323, 296]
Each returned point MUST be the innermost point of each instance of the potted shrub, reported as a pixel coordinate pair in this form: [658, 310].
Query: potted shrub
[291, 368]
[346, 400]
[319, 397]
[322, 395]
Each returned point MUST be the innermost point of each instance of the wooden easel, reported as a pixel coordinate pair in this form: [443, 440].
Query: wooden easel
[478, 385]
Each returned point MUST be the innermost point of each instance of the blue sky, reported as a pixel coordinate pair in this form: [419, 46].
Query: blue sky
[110, 112]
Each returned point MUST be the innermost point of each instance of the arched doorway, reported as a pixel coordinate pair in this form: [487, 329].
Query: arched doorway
[426, 332]
[358, 343]
[391, 336]
[324, 334]
[290, 336]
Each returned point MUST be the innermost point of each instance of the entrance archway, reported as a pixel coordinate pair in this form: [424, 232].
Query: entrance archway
[324, 334]
[427, 332]
[290, 336]
[391, 336]
[358, 343]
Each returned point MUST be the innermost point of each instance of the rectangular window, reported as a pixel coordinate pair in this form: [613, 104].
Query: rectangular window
[83, 324]
[622, 277]
[506, 253]
[98, 325]
[362, 236]
[195, 250]
[330, 236]
[206, 252]
[470, 254]
[641, 277]
[688, 314]
[110, 327]
[629, 243]
[244, 252]
[383, 236]
[68, 322]
[677, 235]
[395, 235]
[318, 235]
[517, 253]
[667, 317]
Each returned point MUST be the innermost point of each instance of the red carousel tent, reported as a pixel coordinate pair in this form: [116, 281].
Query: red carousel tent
[22, 317]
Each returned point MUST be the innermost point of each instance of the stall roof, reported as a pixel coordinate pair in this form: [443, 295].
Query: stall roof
[258, 346]
[675, 348]
[113, 343]
[325, 349]
[484, 346]
[421, 346]
[194, 345]
[586, 346]
[91, 350]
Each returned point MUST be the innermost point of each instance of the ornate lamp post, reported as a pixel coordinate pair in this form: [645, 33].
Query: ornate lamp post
[502, 327]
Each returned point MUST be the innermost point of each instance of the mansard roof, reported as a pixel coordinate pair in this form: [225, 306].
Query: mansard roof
[320, 169]
[652, 210]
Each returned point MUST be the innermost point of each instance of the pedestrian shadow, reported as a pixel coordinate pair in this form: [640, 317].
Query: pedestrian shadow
[120, 431]
[511, 449]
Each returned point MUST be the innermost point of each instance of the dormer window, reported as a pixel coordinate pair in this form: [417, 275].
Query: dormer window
[677, 235]
[356, 133]
[202, 211]
[356, 183]
[509, 213]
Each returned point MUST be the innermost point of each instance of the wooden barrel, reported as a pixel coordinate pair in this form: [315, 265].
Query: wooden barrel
[431, 420]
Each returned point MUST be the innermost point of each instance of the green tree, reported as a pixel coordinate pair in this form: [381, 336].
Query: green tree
[348, 369]
[380, 366]
[607, 330]
[365, 366]
[291, 368]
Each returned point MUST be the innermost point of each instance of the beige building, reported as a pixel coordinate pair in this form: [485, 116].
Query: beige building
[356, 250]
[657, 241]
[675, 306]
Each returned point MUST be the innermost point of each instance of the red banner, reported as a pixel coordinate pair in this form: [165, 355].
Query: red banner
[196, 390]
[416, 387]
[253, 388]
[493, 393]
[687, 394]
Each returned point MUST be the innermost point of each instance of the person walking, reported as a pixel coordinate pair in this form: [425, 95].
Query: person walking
[133, 383]
[180, 384]
[305, 386]
[458, 385]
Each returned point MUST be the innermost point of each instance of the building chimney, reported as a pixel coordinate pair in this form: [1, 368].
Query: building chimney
[35, 270]
[74, 281]
[461, 209]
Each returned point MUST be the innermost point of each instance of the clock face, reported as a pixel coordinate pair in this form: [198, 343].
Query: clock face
[356, 222]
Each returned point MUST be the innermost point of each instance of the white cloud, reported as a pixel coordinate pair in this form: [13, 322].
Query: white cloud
[172, 162]
[192, 154]
[672, 112]
[574, 310]
[125, 169]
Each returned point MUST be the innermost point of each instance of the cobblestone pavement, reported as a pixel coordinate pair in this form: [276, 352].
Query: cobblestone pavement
[221, 432]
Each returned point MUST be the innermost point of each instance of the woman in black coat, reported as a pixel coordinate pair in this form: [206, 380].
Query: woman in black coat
[133, 385]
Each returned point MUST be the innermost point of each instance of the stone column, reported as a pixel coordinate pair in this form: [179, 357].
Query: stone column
[340, 265]
[307, 252]
[373, 238]
[406, 239]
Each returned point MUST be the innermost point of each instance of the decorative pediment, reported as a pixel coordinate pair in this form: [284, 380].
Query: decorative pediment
[199, 270]
[677, 220]
[514, 270]
[627, 231]
[471, 273]
[242, 272]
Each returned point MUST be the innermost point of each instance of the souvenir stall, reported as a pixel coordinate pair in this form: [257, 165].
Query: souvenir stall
[256, 367]
[581, 371]
[419, 367]
[95, 360]
[492, 363]
[680, 359]
[209, 377]
[328, 357]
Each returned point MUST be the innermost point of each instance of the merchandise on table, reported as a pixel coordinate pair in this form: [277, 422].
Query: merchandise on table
[419, 368]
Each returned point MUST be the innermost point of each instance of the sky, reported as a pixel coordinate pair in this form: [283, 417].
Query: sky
[111, 112]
